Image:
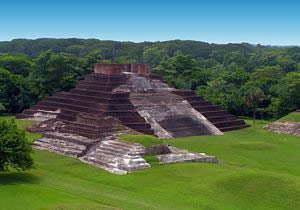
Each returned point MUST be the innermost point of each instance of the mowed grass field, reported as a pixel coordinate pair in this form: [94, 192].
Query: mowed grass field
[258, 170]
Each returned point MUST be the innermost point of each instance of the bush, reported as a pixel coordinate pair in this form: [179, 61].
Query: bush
[14, 148]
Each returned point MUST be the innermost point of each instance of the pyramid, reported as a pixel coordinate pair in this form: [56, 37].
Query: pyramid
[119, 99]
[118, 94]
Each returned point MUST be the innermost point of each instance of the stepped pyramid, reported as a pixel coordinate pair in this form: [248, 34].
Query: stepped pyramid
[118, 97]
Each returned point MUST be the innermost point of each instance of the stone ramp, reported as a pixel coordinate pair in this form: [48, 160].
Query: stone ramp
[171, 116]
[116, 157]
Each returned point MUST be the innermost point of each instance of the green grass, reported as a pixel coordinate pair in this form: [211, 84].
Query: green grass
[258, 170]
[22, 124]
[292, 117]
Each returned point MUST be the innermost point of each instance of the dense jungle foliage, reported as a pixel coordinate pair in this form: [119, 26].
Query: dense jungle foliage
[242, 78]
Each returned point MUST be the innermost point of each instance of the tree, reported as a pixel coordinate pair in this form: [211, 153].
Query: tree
[288, 64]
[17, 93]
[14, 148]
[253, 96]
[124, 60]
[18, 64]
[154, 55]
[56, 72]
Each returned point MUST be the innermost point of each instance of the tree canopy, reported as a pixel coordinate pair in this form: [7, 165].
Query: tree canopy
[33, 69]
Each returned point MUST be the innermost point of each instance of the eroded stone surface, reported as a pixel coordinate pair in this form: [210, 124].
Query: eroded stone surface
[186, 157]
[43, 115]
[49, 125]
[181, 155]
[157, 149]
[292, 128]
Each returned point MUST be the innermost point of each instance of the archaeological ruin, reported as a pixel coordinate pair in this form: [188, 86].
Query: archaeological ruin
[118, 99]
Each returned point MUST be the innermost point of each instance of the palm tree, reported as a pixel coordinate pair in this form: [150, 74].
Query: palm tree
[253, 96]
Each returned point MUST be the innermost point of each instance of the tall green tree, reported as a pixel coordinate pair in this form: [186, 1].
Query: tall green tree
[15, 150]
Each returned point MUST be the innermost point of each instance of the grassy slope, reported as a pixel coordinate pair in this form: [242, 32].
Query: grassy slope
[259, 170]
[292, 117]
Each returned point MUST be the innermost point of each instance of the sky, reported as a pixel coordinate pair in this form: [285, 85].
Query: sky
[214, 21]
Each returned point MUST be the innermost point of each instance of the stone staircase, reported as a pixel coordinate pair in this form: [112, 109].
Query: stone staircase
[65, 144]
[116, 156]
[220, 118]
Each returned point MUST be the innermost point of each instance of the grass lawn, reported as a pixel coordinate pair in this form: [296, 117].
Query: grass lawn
[292, 117]
[259, 170]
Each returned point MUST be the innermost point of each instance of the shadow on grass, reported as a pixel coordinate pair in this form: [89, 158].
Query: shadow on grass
[11, 178]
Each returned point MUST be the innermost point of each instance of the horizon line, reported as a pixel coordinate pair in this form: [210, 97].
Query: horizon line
[138, 42]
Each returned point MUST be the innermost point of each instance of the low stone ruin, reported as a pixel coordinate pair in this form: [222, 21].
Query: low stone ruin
[292, 128]
[167, 154]
[118, 99]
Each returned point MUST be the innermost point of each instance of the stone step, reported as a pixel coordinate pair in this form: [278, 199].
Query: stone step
[95, 126]
[124, 144]
[200, 103]
[99, 93]
[43, 112]
[231, 128]
[66, 117]
[110, 86]
[59, 150]
[228, 123]
[118, 77]
[207, 108]
[105, 79]
[127, 120]
[73, 107]
[73, 128]
[221, 118]
[116, 151]
[73, 101]
[214, 113]
[94, 98]
[46, 108]
[80, 140]
[84, 134]
[89, 86]
[60, 143]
